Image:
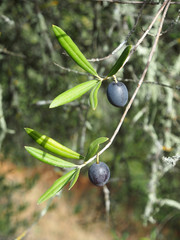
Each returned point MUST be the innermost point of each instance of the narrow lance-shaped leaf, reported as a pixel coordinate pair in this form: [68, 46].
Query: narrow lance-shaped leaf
[119, 63]
[48, 158]
[93, 96]
[57, 186]
[94, 146]
[71, 48]
[74, 178]
[73, 93]
[52, 145]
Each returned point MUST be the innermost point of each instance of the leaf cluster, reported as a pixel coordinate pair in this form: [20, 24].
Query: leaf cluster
[73, 51]
[59, 149]
[68, 96]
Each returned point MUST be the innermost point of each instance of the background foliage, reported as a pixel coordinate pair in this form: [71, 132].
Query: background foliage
[28, 75]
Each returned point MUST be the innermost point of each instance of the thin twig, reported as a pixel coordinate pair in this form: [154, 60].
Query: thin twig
[107, 201]
[134, 2]
[153, 83]
[138, 43]
[71, 70]
[124, 42]
[110, 55]
[146, 32]
[123, 80]
[7, 20]
[171, 25]
[168, 202]
[140, 81]
[6, 52]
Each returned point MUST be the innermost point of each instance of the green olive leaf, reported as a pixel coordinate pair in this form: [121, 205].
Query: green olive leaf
[48, 158]
[73, 93]
[93, 96]
[71, 48]
[119, 63]
[74, 178]
[57, 186]
[52, 145]
[94, 146]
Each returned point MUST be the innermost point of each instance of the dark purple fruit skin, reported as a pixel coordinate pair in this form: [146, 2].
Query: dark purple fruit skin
[99, 173]
[117, 94]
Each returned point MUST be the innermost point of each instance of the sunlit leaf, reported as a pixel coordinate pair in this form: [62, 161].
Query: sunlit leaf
[48, 158]
[119, 63]
[73, 93]
[74, 178]
[57, 186]
[93, 96]
[71, 48]
[94, 146]
[51, 145]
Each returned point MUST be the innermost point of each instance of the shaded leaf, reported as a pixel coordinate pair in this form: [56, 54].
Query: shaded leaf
[93, 96]
[119, 63]
[52, 145]
[74, 178]
[48, 158]
[57, 186]
[94, 146]
[71, 48]
[73, 93]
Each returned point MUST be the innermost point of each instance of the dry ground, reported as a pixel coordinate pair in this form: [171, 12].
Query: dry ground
[60, 222]
[77, 215]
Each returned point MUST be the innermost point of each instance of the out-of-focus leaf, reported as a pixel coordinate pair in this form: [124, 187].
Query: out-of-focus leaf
[74, 178]
[94, 146]
[57, 186]
[120, 61]
[71, 48]
[73, 93]
[93, 96]
[51, 145]
[48, 158]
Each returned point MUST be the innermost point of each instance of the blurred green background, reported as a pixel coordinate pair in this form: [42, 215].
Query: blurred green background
[29, 78]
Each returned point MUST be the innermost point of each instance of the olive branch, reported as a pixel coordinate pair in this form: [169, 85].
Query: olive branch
[76, 92]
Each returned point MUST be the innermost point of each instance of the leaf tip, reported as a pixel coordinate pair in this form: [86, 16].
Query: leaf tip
[28, 130]
[38, 202]
[54, 26]
[52, 105]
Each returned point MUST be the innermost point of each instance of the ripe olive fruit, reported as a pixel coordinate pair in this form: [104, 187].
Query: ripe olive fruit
[99, 173]
[117, 94]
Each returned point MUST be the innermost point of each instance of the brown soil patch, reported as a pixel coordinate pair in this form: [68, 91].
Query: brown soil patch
[59, 222]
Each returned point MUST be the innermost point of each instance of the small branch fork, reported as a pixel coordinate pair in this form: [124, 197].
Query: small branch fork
[143, 3]
[164, 7]
[43, 102]
[124, 42]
